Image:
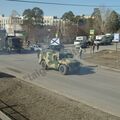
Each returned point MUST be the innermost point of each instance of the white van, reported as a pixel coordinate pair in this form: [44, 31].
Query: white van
[98, 39]
[79, 40]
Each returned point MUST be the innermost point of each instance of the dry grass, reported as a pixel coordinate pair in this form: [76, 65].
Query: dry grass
[107, 58]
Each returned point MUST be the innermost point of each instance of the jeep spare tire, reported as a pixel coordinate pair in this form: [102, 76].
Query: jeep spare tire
[63, 69]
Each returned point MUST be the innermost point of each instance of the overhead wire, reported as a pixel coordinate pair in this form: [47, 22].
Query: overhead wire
[61, 4]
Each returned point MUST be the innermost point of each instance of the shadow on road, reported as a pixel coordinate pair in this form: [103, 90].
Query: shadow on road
[84, 70]
[16, 52]
[4, 75]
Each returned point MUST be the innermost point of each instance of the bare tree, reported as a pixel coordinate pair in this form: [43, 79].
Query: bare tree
[105, 13]
[101, 15]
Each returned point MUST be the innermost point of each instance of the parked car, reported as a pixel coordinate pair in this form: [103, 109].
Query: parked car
[106, 40]
[83, 45]
[97, 41]
[56, 47]
[35, 47]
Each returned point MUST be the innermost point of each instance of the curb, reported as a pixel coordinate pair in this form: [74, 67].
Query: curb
[3, 116]
[109, 68]
[87, 63]
[100, 66]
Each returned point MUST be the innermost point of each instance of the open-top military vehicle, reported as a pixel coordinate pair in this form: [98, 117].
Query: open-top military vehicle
[62, 61]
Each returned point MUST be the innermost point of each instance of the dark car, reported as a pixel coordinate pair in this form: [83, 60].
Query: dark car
[106, 40]
[83, 45]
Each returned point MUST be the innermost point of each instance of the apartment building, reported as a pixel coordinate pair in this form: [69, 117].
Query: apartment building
[52, 21]
[11, 24]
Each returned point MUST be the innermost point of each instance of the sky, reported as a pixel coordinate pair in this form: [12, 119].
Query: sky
[6, 7]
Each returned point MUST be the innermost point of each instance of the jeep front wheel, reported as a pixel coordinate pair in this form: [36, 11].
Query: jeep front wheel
[43, 65]
[63, 69]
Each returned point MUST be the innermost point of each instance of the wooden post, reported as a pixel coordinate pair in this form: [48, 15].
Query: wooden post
[116, 46]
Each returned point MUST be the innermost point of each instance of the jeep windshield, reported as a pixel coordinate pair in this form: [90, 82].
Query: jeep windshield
[65, 55]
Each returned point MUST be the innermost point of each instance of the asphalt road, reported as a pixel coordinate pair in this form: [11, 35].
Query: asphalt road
[94, 86]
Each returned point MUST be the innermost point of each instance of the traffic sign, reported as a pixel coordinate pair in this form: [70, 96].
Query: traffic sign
[116, 37]
[92, 32]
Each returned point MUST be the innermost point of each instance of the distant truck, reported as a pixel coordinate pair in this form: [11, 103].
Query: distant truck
[98, 39]
[14, 43]
[81, 41]
[99, 36]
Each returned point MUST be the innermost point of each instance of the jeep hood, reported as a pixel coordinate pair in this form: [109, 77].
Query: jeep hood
[69, 60]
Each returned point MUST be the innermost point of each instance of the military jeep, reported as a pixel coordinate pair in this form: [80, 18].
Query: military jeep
[61, 61]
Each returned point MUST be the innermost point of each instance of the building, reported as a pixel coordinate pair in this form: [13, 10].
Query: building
[87, 17]
[11, 24]
[52, 21]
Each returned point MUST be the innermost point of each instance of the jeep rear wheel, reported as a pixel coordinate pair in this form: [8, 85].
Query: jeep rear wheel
[43, 65]
[63, 69]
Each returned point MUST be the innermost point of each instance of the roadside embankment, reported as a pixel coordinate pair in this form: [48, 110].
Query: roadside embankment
[34, 103]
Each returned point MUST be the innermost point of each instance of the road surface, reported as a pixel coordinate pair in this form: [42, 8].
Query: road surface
[93, 86]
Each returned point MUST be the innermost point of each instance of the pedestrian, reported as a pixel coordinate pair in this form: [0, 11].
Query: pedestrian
[28, 43]
[80, 52]
[97, 46]
[93, 47]
[38, 53]
[9, 50]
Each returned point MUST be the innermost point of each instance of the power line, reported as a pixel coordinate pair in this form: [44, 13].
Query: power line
[61, 4]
